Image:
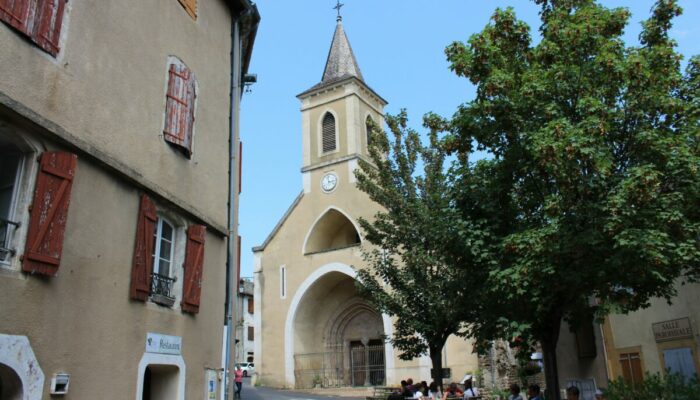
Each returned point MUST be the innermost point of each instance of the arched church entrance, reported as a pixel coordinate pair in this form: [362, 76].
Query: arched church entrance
[337, 336]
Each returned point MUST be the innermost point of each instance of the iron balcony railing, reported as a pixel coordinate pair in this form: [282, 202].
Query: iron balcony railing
[6, 228]
[161, 289]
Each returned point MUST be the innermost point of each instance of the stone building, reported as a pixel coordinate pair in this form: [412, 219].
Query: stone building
[311, 326]
[118, 133]
[245, 329]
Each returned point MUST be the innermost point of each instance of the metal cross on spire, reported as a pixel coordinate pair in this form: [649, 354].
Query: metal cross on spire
[337, 7]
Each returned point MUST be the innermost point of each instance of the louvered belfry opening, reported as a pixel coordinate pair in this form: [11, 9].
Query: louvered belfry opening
[328, 134]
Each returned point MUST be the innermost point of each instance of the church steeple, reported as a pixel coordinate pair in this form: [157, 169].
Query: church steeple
[335, 115]
[341, 62]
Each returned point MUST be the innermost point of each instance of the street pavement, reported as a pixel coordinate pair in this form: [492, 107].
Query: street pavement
[250, 392]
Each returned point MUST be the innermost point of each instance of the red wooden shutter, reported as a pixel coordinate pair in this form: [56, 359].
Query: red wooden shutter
[194, 262]
[191, 7]
[238, 266]
[15, 13]
[142, 267]
[179, 107]
[240, 166]
[47, 24]
[49, 212]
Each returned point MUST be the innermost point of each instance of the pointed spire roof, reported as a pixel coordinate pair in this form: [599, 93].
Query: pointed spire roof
[341, 62]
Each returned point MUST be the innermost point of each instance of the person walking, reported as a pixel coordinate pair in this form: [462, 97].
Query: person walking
[238, 379]
[469, 390]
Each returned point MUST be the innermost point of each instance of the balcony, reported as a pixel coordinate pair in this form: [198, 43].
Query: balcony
[6, 229]
[161, 290]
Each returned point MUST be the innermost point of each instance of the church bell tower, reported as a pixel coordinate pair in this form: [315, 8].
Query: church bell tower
[335, 116]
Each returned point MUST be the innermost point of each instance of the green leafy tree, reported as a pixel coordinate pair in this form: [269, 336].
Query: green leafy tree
[425, 260]
[593, 187]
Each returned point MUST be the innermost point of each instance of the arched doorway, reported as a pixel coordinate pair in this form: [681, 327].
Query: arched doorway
[10, 384]
[333, 337]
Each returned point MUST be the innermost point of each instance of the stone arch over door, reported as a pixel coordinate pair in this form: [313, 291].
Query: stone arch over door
[331, 274]
[19, 366]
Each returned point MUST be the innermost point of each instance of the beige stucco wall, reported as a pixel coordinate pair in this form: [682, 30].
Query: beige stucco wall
[633, 332]
[103, 97]
[82, 321]
[572, 367]
[107, 88]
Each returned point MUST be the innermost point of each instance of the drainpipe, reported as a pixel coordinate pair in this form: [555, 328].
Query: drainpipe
[236, 71]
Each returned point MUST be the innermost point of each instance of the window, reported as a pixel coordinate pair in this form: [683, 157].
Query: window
[251, 333]
[191, 7]
[631, 365]
[10, 169]
[153, 272]
[162, 256]
[283, 282]
[180, 106]
[680, 361]
[251, 305]
[328, 133]
[40, 21]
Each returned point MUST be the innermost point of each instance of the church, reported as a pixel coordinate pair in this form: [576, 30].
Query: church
[312, 329]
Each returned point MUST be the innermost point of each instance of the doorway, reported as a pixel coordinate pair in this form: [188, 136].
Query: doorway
[10, 384]
[160, 382]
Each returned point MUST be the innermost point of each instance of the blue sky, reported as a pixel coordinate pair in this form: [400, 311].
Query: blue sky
[399, 46]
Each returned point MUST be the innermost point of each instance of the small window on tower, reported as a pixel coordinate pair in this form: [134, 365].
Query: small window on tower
[328, 133]
[369, 123]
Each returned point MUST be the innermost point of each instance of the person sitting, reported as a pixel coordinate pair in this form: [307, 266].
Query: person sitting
[515, 392]
[599, 395]
[452, 392]
[434, 391]
[572, 393]
[533, 392]
[469, 390]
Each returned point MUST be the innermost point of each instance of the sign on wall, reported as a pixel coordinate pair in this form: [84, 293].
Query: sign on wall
[672, 330]
[211, 384]
[163, 344]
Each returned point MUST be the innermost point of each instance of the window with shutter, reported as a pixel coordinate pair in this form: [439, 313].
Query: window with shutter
[251, 333]
[49, 213]
[238, 265]
[180, 107]
[40, 20]
[251, 305]
[194, 262]
[16, 14]
[11, 161]
[142, 266]
[328, 133]
[191, 7]
[631, 365]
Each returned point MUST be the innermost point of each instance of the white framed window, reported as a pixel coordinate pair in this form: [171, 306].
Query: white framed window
[17, 177]
[11, 161]
[163, 247]
[168, 252]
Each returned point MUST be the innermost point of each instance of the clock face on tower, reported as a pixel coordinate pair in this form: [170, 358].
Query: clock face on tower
[329, 182]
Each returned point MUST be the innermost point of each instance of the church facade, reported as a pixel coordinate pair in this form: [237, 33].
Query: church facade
[311, 326]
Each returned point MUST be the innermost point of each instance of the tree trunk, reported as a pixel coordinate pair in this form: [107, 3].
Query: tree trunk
[549, 354]
[436, 358]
